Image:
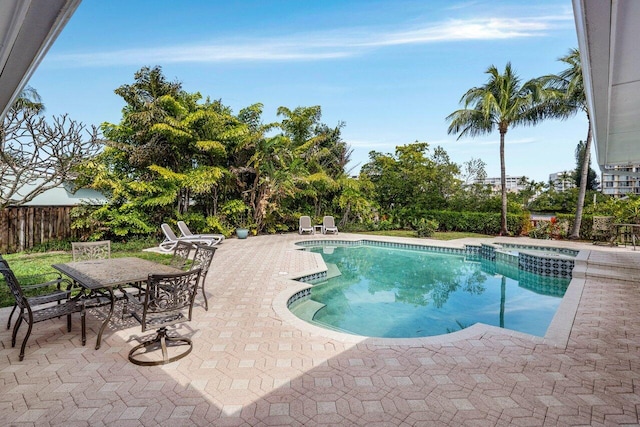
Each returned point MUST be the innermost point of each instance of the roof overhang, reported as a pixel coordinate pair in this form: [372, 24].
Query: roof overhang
[27, 30]
[610, 58]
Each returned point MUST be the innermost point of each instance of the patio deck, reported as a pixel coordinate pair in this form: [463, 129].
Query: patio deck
[253, 365]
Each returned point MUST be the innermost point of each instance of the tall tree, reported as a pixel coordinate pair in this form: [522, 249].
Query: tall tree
[501, 103]
[592, 176]
[36, 155]
[572, 98]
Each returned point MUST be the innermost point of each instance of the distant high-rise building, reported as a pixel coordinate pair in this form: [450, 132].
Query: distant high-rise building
[513, 184]
[562, 181]
[614, 181]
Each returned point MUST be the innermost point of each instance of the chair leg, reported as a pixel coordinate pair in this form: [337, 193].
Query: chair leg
[162, 340]
[68, 322]
[83, 323]
[11, 315]
[204, 294]
[15, 330]
[24, 342]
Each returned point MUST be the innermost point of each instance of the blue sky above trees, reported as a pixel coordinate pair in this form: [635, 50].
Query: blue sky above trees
[391, 70]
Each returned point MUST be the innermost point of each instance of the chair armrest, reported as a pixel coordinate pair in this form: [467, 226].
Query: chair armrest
[52, 297]
[58, 282]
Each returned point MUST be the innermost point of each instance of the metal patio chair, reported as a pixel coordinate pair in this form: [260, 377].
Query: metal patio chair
[40, 312]
[180, 258]
[202, 260]
[83, 251]
[59, 294]
[603, 231]
[168, 300]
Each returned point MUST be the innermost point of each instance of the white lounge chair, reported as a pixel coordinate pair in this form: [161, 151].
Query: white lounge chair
[305, 225]
[182, 226]
[171, 240]
[329, 225]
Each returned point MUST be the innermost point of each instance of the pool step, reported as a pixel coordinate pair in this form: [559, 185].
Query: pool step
[332, 271]
[307, 309]
[623, 267]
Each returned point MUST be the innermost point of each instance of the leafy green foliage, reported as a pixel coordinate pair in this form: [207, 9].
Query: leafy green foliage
[425, 227]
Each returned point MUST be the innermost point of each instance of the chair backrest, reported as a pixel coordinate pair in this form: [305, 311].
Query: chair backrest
[3, 262]
[603, 223]
[328, 221]
[83, 251]
[202, 259]
[181, 253]
[168, 297]
[14, 286]
[168, 232]
[305, 222]
[182, 226]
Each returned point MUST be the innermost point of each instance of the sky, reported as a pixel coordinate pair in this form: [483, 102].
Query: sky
[391, 70]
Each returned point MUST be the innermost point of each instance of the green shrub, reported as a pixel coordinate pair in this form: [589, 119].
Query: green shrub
[475, 222]
[425, 227]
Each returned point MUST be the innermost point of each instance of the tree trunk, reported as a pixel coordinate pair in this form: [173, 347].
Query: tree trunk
[503, 187]
[575, 232]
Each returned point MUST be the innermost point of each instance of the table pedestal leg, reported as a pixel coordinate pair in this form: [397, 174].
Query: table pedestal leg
[106, 321]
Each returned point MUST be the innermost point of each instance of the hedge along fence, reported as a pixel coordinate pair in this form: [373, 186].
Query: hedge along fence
[24, 227]
[475, 222]
[489, 222]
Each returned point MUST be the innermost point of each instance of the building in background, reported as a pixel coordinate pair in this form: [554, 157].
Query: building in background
[562, 181]
[513, 184]
[620, 181]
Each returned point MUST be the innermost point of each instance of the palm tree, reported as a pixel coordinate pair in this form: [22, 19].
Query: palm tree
[572, 98]
[29, 99]
[500, 103]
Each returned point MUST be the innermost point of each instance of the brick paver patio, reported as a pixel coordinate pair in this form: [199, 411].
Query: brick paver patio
[254, 364]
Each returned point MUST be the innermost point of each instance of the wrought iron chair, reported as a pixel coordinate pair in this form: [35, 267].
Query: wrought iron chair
[168, 300]
[62, 291]
[83, 251]
[41, 312]
[202, 260]
[603, 230]
[179, 260]
[181, 254]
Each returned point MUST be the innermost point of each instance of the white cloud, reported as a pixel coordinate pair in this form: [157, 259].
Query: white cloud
[320, 46]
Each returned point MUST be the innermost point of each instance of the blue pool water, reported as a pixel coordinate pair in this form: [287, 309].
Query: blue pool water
[394, 293]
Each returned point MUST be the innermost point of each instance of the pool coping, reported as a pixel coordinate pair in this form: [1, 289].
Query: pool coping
[557, 334]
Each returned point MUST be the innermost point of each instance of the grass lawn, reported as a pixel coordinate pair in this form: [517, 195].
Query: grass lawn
[26, 265]
[438, 235]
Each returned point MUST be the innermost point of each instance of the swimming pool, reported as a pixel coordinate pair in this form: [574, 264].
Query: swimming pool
[398, 293]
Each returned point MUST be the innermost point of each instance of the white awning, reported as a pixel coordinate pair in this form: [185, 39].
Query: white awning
[608, 38]
[27, 30]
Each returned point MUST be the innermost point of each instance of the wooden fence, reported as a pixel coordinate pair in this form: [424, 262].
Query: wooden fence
[23, 227]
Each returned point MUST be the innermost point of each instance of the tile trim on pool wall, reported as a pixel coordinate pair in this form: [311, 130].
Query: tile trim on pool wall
[563, 251]
[544, 266]
[534, 263]
[393, 245]
[300, 295]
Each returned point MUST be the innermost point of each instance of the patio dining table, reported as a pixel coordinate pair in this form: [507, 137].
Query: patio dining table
[107, 274]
